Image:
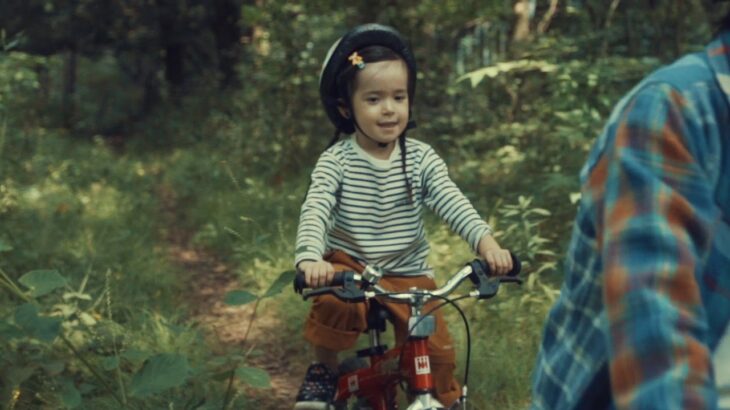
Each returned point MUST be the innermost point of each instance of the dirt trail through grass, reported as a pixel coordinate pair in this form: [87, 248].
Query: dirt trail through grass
[229, 328]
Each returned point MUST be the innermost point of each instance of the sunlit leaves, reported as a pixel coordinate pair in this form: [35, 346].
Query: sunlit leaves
[476, 76]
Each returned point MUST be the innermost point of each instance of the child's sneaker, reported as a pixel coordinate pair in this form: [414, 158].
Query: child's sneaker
[318, 389]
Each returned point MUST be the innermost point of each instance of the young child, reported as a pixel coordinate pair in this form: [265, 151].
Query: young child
[365, 201]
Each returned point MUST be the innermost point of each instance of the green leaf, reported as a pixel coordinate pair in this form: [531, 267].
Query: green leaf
[9, 331]
[222, 375]
[40, 327]
[41, 282]
[135, 356]
[5, 247]
[25, 313]
[86, 388]
[254, 377]
[284, 280]
[53, 367]
[239, 297]
[17, 375]
[541, 211]
[160, 372]
[70, 396]
[110, 363]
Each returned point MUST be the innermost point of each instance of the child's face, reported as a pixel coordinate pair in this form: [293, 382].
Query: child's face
[380, 102]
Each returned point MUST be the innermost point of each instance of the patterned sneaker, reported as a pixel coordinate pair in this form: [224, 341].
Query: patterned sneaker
[318, 389]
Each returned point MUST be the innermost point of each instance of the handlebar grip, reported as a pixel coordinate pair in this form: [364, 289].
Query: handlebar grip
[300, 282]
[483, 266]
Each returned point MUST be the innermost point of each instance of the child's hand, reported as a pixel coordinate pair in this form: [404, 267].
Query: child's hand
[499, 260]
[317, 273]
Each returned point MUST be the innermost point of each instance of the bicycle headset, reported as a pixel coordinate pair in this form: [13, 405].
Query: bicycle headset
[331, 89]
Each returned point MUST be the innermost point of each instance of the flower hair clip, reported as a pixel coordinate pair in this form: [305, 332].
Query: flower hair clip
[356, 59]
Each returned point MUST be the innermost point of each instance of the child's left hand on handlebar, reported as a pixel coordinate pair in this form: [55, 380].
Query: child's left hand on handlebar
[499, 260]
[317, 273]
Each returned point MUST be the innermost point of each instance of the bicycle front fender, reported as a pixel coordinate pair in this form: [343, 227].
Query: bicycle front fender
[425, 402]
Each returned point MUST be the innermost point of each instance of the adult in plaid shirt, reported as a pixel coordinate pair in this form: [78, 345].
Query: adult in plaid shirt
[646, 297]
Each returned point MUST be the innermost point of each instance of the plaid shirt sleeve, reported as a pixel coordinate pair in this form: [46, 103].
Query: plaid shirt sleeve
[653, 231]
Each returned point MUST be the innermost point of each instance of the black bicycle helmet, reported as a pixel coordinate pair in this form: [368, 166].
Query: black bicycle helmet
[337, 60]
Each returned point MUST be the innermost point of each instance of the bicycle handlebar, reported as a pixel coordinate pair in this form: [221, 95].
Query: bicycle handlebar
[351, 287]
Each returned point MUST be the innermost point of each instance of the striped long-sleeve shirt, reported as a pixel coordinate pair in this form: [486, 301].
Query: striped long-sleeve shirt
[360, 205]
[646, 296]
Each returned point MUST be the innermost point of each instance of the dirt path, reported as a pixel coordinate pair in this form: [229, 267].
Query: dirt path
[227, 327]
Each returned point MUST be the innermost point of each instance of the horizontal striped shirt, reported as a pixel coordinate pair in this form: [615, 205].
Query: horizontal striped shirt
[359, 204]
[646, 296]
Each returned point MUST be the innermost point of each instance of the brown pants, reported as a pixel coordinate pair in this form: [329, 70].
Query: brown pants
[336, 325]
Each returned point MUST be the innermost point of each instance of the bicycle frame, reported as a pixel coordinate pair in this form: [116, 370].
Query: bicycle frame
[410, 362]
[377, 384]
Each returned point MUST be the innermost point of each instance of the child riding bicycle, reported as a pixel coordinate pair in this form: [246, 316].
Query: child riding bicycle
[365, 201]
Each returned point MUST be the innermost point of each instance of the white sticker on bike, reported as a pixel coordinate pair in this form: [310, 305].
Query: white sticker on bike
[352, 384]
[423, 365]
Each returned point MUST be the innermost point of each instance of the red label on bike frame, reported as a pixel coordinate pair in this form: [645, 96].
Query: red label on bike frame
[352, 384]
[421, 379]
[423, 365]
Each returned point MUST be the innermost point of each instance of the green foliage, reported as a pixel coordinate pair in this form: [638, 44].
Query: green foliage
[242, 297]
[41, 282]
[43, 328]
[253, 377]
[159, 373]
[239, 297]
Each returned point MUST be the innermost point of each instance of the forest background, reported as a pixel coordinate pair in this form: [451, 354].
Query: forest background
[154, 155]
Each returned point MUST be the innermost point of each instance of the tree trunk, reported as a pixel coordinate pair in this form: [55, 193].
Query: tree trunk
[224, 21]
[174, 52]
[521, 30]
[609, 19]
[678, 14]
[151, 96]
[44, 82]
[174, 73]
[631, 38]
[544, 23]
[68, 100]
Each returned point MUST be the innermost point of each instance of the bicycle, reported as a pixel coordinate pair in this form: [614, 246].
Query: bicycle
[374, 386]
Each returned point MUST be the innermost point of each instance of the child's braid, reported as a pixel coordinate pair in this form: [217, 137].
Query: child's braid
[402, 144]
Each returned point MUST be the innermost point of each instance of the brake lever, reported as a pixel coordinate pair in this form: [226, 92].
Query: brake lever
[509, 279]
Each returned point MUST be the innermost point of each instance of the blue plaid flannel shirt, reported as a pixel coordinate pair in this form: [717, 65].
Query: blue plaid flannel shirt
[646, 295]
